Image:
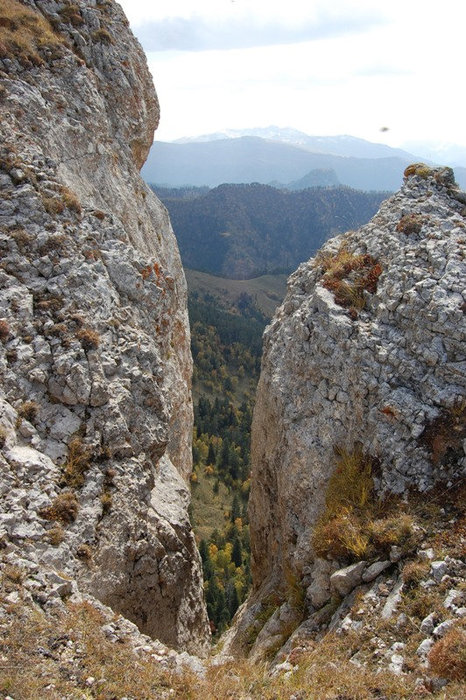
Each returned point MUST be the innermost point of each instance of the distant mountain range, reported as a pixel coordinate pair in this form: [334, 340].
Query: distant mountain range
[242, 231]
[279, 156]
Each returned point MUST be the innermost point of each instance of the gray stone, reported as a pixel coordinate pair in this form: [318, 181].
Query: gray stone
[374, 570]
[442, 628]
[438, 569]
[392, 601]
[344, 580]
[426, 554]
[428, 623]
[424, 647]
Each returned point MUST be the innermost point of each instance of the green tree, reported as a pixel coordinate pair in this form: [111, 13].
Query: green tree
[237, 552]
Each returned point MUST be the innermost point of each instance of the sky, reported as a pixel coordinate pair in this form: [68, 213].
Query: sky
[391, 72]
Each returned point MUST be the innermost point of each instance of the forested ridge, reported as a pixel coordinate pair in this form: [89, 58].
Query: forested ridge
[246, 230]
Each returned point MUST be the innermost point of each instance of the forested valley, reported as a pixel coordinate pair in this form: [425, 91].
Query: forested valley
[226, 348]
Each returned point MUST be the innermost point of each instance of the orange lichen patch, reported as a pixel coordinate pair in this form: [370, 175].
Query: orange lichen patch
[389, 412]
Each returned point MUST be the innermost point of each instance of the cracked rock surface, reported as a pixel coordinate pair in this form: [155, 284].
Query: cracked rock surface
[390, 376]
[95, 366]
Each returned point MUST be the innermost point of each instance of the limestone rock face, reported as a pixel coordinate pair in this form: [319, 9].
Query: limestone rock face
[95, 365]
[384, 368]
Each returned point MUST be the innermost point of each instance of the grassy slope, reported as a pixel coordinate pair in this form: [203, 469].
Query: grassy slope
[267, 290]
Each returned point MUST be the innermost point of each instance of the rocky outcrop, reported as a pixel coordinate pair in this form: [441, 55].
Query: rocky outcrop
[95, 365]
[366, 356]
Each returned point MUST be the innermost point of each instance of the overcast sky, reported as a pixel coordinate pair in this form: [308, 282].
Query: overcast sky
[321, 66]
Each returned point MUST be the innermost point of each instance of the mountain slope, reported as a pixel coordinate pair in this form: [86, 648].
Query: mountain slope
[241, 231]
[252, 159]
[359, 428]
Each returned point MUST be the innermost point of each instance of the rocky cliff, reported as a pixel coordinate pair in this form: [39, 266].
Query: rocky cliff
[95, 366]
[361, 402]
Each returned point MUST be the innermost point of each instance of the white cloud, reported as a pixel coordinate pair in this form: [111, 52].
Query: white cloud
[348, 67]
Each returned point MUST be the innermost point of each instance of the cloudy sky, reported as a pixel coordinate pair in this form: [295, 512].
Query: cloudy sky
[340, 67]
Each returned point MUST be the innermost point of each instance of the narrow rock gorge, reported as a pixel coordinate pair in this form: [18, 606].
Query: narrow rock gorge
[95, 363]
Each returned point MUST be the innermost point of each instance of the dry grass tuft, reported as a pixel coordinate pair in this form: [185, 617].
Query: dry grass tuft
[414, 572]
[447, 658]
[349, 277]
[445, 434]
[90, 339]
[420, 169]
[55, 535]
[53, 205]
[70, 200]
[25, 33]
[28, 410]
[64, 508]
[4, 330]
[410, 223]
[355, 525]
[77, 463]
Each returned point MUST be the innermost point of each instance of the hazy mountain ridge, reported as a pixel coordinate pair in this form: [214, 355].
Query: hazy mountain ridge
[339, 145]
[244, 159]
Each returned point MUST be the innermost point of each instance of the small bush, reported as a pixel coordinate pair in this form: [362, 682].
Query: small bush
[3, 436]
[29, 410]
[418, 602]
[342, 536]
[77, 463]
[89, 338]
[103, 36]
[84, 552]
[70, 200]
[64, 508]
[295, 592]
[414, 572]
[106, 501]
[444, 435]
[53, 205]
[14, 573]
[351, 485]
[410, 223]
[22, 239]
[419, 169]
[447, 658]
[340, 529]
[4, 330]
[355, 524]
[349, 276]
[72, 14]
[55, 535]
[393, 530]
